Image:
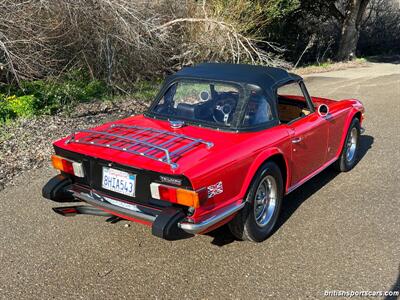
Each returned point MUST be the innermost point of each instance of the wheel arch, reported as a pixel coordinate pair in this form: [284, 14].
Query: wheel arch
[273, 155]
[355, 113]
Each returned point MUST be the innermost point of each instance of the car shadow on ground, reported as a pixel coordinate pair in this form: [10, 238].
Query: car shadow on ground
[394, 288]
[393, 59]
[294, 200]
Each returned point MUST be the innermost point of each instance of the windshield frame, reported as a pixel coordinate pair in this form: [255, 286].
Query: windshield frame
[201, 123]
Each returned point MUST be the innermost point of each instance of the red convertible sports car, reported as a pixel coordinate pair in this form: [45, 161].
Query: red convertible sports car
[221, 143]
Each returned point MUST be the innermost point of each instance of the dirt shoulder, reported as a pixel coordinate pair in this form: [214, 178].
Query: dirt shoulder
[323, 68]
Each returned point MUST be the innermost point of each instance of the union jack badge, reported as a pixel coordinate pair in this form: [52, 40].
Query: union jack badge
[215, 189]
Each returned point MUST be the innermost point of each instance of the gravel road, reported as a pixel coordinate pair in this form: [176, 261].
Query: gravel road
[337, 232]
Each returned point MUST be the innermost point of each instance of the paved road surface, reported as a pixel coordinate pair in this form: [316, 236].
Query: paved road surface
[338, 232]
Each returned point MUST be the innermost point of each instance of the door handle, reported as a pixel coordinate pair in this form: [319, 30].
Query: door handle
[297, 140]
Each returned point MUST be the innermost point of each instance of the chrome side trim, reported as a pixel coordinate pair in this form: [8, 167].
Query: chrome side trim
[316, 172]
[194, 228]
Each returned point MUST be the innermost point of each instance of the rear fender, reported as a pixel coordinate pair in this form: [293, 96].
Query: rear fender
[257, 163]
[356, 109]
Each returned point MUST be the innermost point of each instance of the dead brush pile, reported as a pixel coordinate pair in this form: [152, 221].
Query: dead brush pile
[123, 40]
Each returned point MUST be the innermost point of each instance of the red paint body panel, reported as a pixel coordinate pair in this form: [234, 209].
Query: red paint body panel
[236, 156]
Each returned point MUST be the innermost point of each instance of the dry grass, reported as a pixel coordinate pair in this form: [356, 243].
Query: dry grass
[328, 67]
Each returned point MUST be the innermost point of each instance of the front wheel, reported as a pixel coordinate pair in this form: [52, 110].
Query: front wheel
[256, 221]
[349, 156]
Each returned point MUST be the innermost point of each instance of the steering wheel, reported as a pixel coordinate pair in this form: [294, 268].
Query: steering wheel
[222, 111]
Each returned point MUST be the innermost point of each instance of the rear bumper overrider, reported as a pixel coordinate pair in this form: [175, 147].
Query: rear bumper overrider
[169, 223]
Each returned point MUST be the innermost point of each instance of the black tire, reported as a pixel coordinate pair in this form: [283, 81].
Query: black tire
[245, 226]
[344, 164]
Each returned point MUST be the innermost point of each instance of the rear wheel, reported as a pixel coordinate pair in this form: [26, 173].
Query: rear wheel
[349, 156]
[256, 221]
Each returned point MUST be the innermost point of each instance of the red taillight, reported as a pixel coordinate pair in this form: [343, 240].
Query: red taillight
[67, 166]
[178, 195]
[167, 193]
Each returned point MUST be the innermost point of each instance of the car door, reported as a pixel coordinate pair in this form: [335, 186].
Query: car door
[309, 145]
[309, 137]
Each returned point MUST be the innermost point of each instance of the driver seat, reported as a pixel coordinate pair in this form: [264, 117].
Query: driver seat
[185, 110]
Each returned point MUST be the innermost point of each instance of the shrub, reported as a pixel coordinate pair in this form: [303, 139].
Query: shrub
[5, 111]
[54, 94]
[14, 106]
[23, 106]
[146, 90]
[48, 96]
[95, 89]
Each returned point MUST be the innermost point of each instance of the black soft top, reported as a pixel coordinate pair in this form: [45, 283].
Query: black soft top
[265, 77]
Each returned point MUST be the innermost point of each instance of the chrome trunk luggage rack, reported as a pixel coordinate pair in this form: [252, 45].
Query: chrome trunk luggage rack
[159, 145]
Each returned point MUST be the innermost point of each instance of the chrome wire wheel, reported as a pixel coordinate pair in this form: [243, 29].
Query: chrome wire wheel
[265, 200]
[352, 144]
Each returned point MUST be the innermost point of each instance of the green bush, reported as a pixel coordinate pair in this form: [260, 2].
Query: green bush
[48, 96]
[95, 89]
[146, 90]
[55, 94]
[5, 111]
[23, 106]
[14, 106]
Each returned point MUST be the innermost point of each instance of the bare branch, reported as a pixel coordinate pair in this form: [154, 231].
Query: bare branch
[119, 40]
[336, 12]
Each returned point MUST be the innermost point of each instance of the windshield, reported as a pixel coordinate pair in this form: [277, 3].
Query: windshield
[213, 103]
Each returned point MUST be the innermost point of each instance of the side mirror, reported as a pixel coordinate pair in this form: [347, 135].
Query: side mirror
[323, 110]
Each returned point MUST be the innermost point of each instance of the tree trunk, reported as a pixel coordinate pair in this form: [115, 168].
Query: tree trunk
[351, 22]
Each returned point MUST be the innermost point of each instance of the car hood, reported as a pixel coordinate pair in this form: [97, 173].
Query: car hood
[221, 142]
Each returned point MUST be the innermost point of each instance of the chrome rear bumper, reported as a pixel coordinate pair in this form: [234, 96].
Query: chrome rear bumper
[148, 214]
[224, 213]
[108, 203]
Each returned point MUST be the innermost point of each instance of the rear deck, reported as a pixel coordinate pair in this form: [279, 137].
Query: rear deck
[155, 144]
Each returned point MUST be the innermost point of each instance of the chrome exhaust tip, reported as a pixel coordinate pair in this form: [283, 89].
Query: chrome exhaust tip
[70, 211]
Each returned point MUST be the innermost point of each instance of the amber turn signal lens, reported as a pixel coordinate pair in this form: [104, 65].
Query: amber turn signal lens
[187, 198]
[57, 162]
